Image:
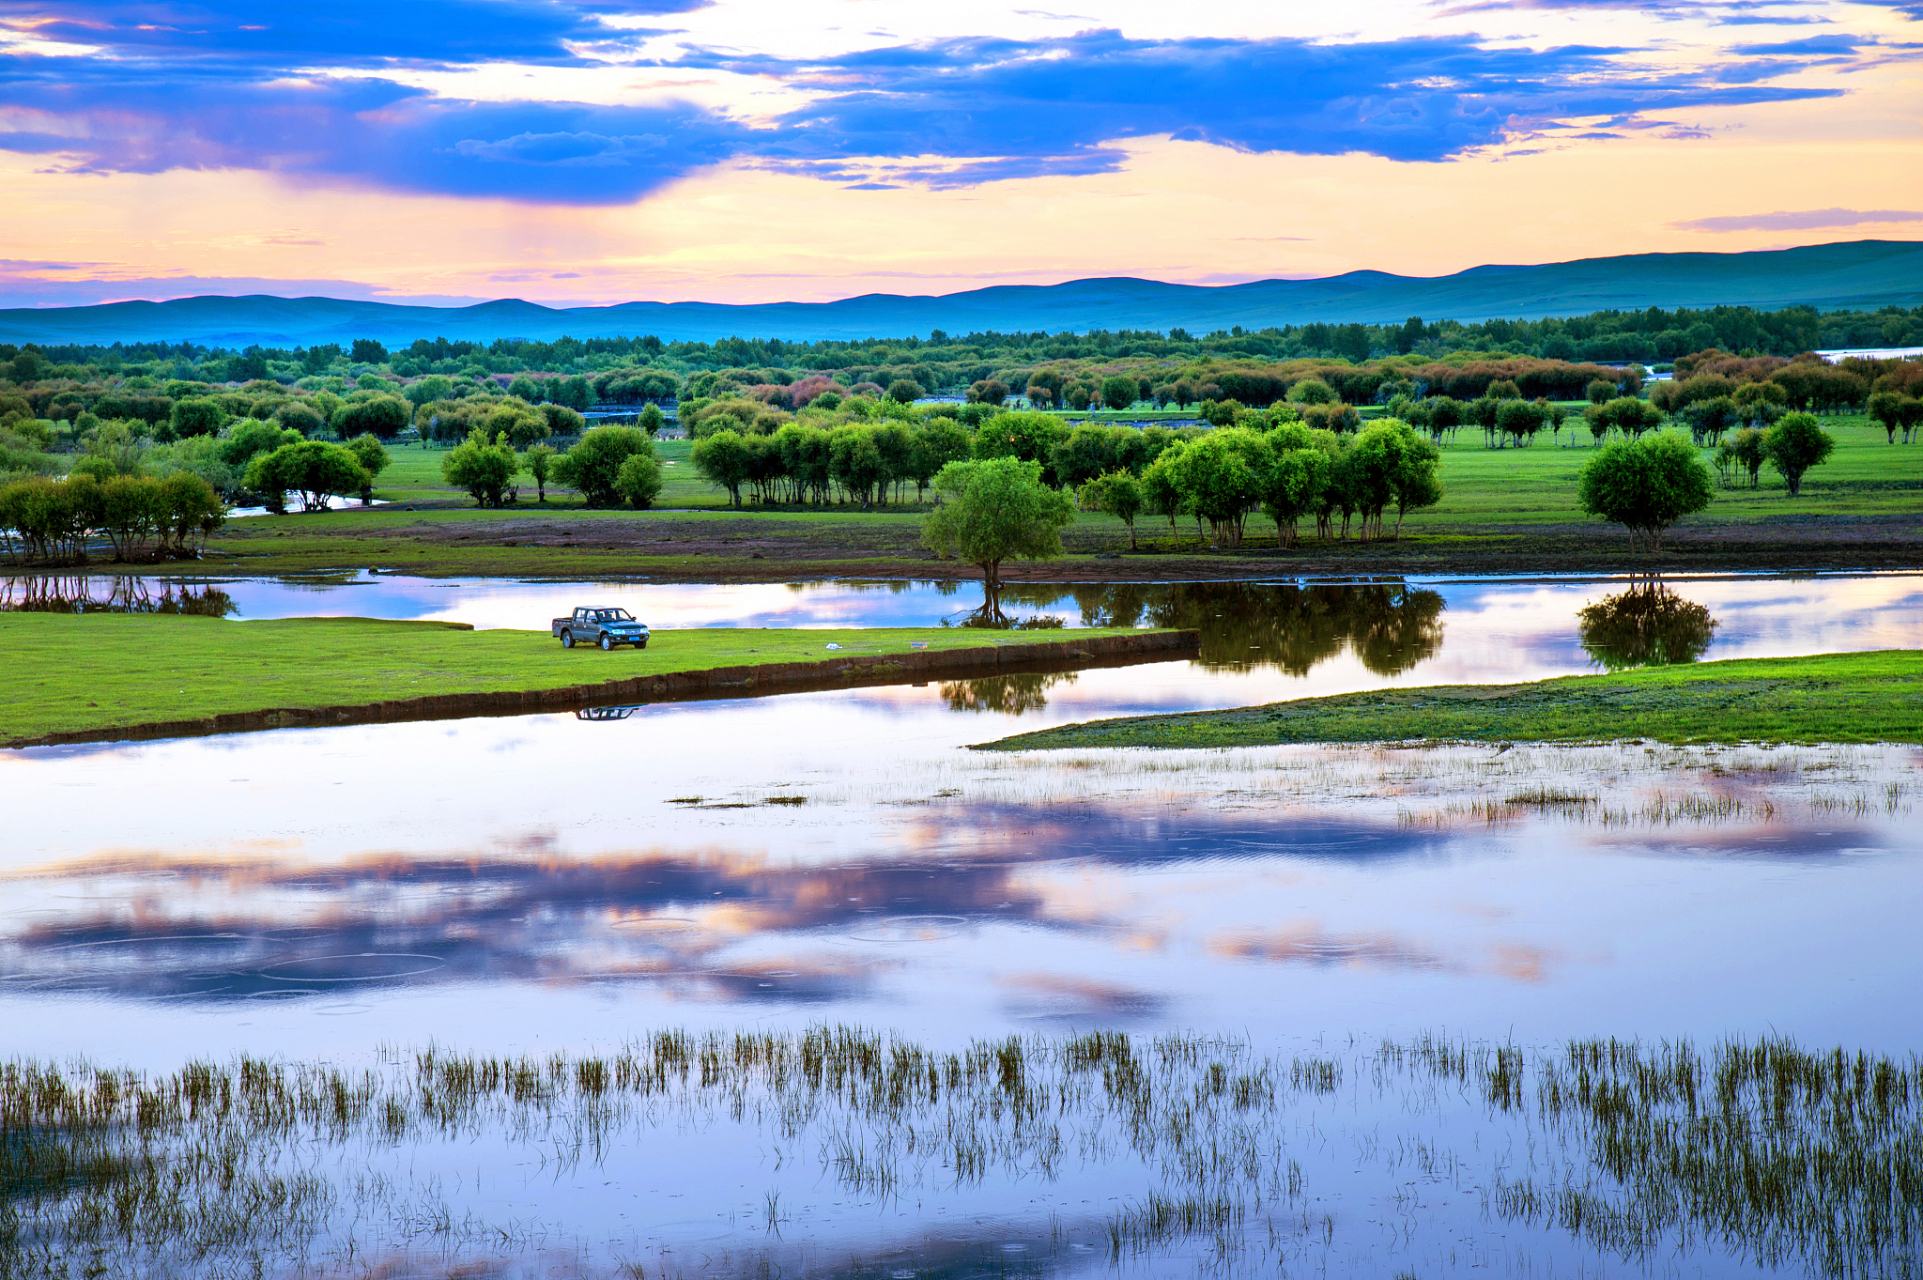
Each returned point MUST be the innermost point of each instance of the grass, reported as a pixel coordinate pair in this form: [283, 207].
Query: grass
[93, 672]
[1853, 697]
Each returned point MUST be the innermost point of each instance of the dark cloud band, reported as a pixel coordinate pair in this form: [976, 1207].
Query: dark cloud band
[967, 111]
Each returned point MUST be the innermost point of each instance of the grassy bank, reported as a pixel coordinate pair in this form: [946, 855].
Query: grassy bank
[71, 674]
[1838, 697]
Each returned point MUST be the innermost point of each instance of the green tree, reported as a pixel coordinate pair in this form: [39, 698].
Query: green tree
[939, 442]
[528, 389]
[854, 461]
[1626, 414]
[1520, 420]
[1026, 435]
[1600, 391]
[1743, 448]
[197, 416]
[316, 470]
[429, 389]
[592, 465]
[373, 458]
[724, 461]
[992, 511]
[540, 460]
[367, 351]
[1794, 445]
[521, 424]
[1645, 484]
[383, 416]
[484, 470]
[1894, 411]
[639, 480]
[251, 436]
[1119, 391]
[1116, 493]
[1159, 490]
[1222, 477]
[300, 416]
[652, 419]
[1298, 475]
[905, 391]
[1393, 466]
[1309, 391]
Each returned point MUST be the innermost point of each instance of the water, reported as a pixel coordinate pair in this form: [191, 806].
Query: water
[559, 885]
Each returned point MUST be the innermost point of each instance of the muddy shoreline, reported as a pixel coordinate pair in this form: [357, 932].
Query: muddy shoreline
[854, 671]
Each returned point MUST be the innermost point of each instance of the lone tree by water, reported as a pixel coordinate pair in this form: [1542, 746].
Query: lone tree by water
[993, 510]
[1646, 485]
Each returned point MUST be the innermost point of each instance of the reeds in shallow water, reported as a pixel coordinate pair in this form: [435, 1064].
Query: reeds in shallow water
[1760, 1152]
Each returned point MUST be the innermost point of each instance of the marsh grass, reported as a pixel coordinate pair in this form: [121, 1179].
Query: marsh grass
[1756, 1151]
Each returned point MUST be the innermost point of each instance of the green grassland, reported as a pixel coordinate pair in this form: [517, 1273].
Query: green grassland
[1839, 697]
[1503, 510]
[76, 674]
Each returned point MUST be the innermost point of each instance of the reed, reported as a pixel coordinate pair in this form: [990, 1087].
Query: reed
[1760, 1151]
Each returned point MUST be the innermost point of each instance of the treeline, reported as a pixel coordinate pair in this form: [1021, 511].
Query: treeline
[1272, 461]
[1647, 336]
[143, 518]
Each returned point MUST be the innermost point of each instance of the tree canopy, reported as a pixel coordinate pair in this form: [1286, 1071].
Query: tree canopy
[1645, 484]
[994, 510]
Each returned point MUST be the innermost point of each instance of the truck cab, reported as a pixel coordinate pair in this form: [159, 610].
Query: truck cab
[604, 625]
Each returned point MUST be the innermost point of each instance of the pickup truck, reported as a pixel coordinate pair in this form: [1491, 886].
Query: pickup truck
[605, 627]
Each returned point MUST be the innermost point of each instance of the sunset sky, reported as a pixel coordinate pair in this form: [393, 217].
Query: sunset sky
[756, 150]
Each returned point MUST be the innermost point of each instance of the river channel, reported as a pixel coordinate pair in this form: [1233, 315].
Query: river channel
[561, 884]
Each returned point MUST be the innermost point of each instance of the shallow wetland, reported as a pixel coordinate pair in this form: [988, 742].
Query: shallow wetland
[1361, 1010]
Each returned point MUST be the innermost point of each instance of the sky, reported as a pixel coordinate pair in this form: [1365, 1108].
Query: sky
[761, 150]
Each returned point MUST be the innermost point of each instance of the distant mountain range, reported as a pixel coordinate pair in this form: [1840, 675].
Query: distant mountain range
[1863, 274]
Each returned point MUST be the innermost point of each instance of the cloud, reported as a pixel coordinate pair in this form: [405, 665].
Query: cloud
[368, 131]
[944, 113]
[341, 33]
[1048, 105]
[1806, 220]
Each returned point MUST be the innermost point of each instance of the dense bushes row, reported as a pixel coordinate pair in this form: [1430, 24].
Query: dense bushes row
[143, 518]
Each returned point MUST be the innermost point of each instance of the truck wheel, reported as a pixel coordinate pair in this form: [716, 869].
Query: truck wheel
[567, 639]
[607, 643]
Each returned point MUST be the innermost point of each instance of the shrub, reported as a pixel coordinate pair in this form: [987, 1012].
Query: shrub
[484, 470]
[197, 416]
[1645, 484]
[594, 463]
[639, 480]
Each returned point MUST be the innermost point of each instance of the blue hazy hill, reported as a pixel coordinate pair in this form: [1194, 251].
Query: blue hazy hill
[1863, 274]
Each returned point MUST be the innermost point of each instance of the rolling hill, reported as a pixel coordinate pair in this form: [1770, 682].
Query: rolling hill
[1861, 274]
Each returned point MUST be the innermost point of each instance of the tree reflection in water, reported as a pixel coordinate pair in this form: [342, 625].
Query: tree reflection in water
[87, 593]
[1389, 626]
[1010, 695]
[1646, 626]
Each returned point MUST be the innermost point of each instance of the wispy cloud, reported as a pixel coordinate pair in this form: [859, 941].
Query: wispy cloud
[1806, 220]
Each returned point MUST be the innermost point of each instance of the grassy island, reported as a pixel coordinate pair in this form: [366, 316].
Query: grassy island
[88, 677]
[1837, 697]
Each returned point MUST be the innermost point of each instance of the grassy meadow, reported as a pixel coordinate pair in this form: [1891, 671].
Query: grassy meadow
[1854, 697]
[87, 673]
